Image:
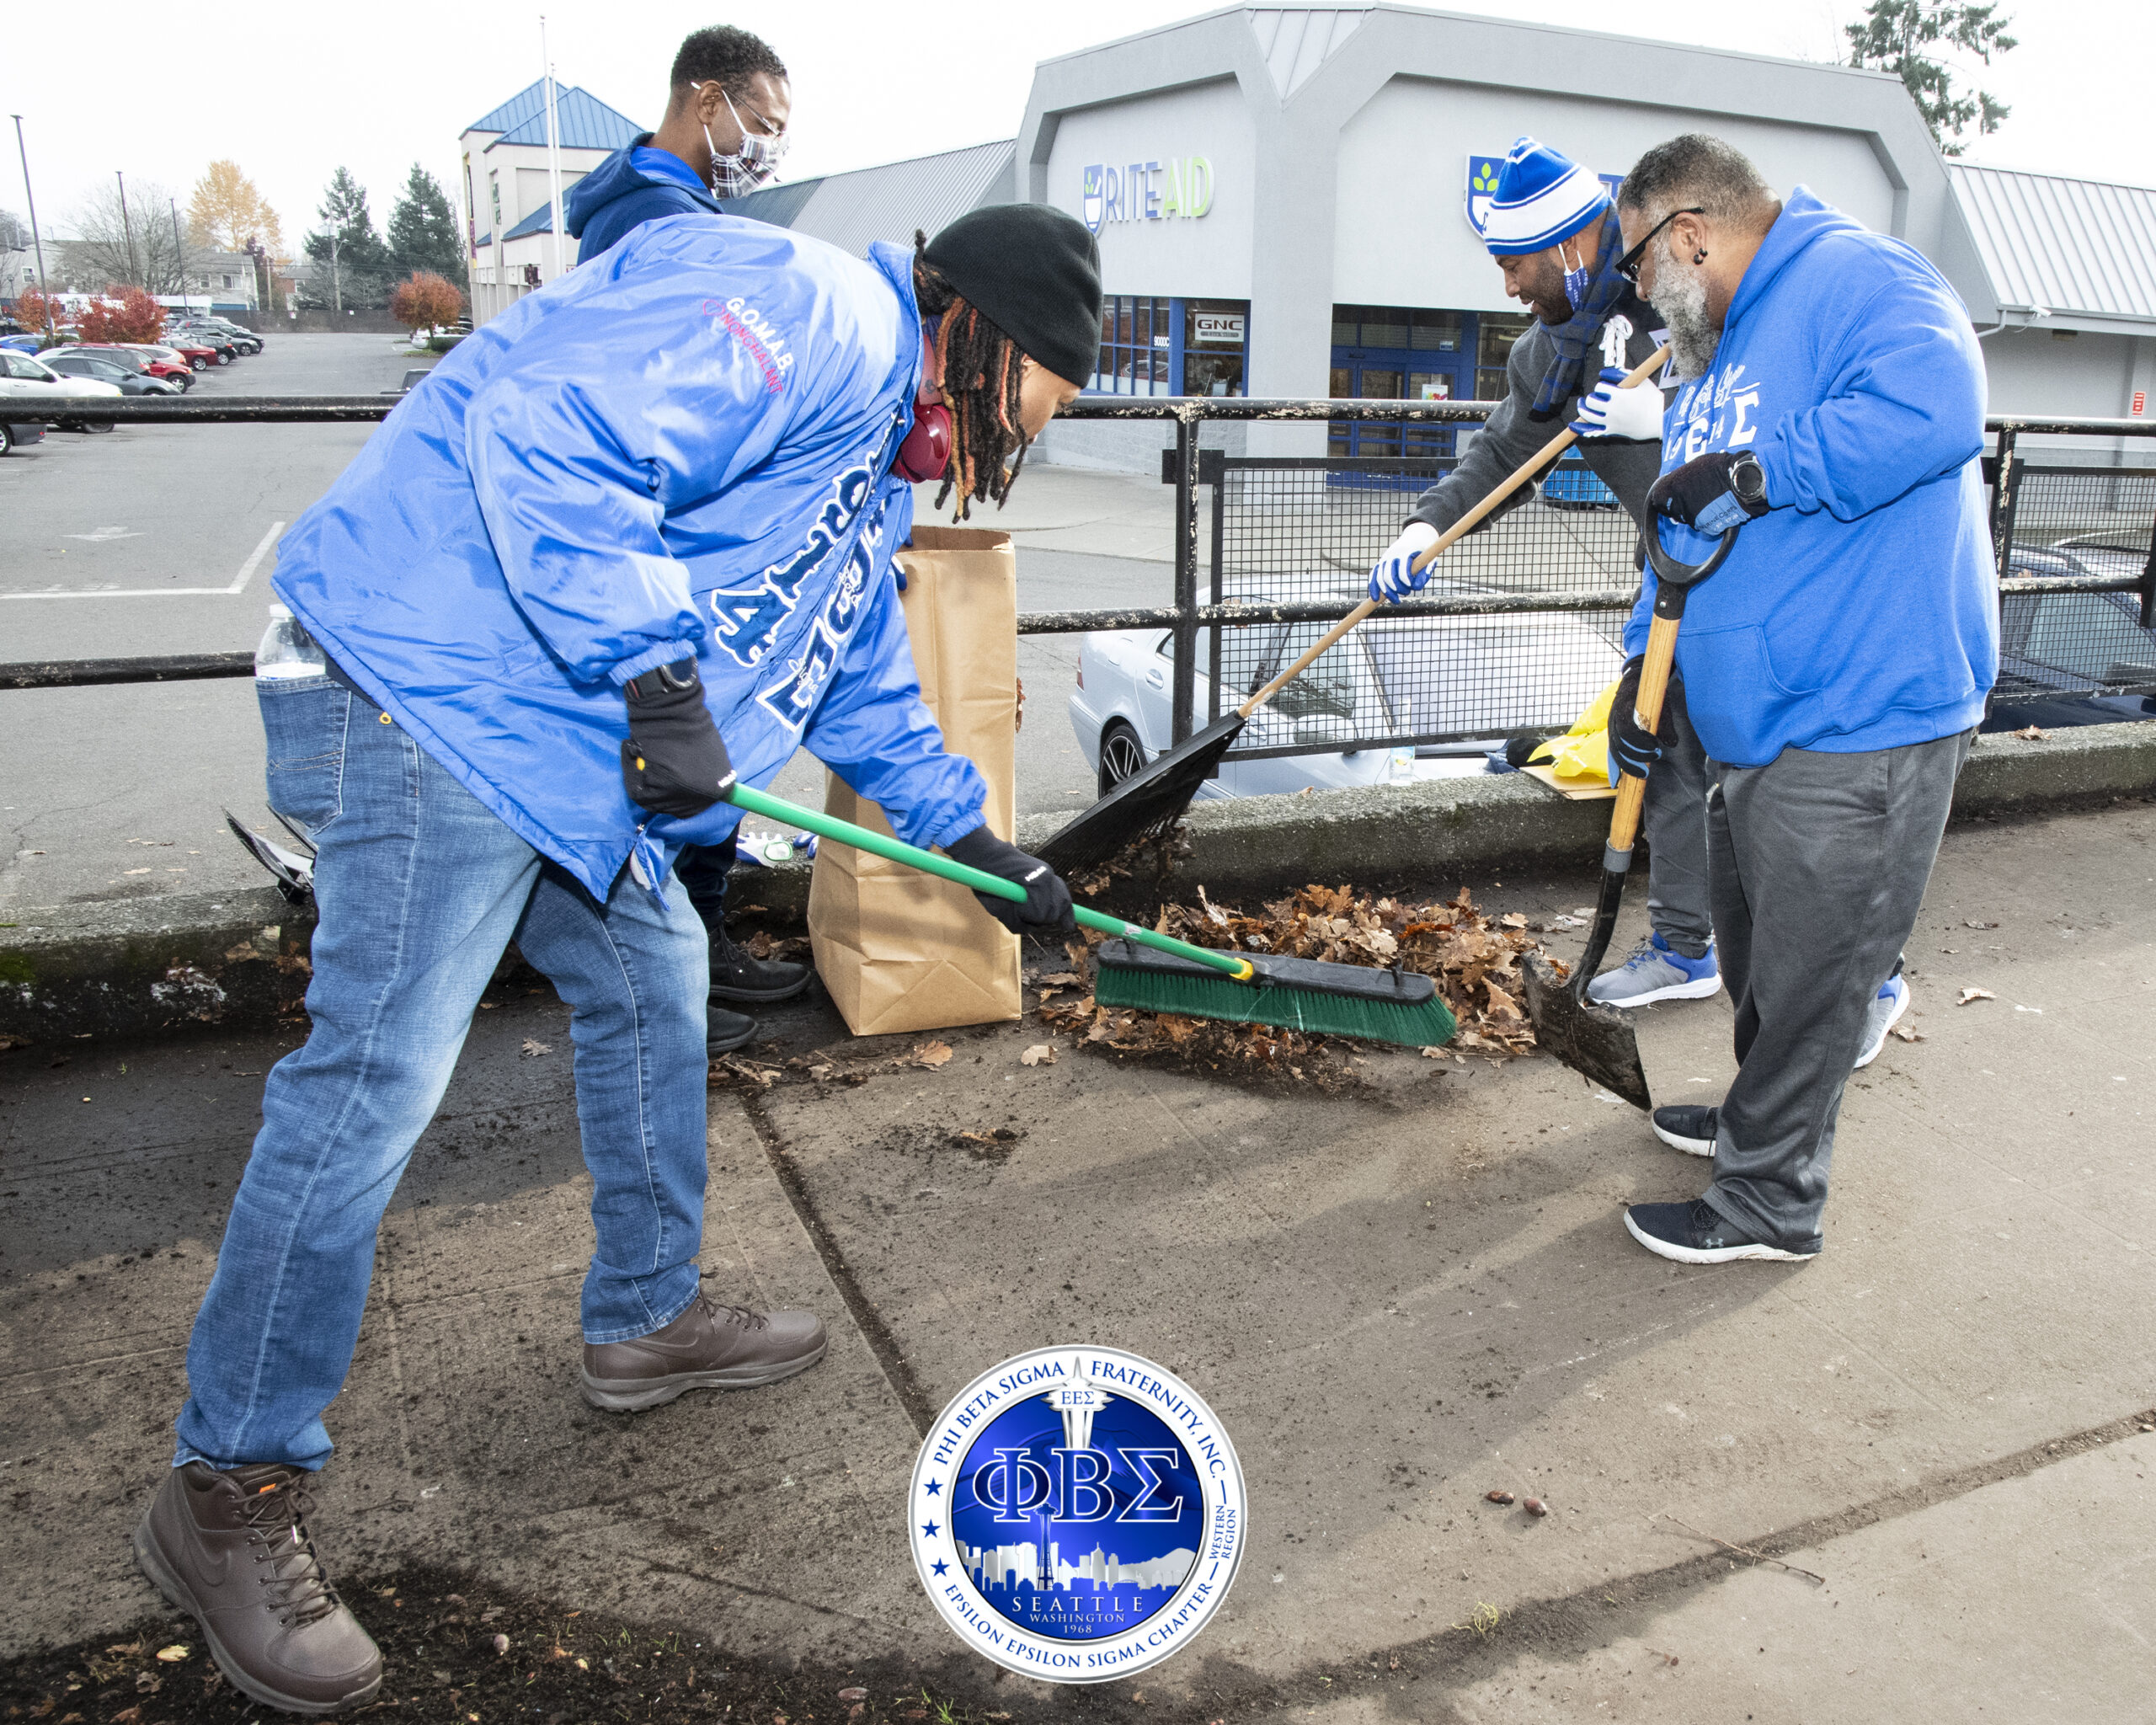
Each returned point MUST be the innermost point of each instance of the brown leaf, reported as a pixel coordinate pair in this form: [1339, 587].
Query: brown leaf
[1041, 1054]
[175, 1653]
[533, 1049]
[1062, 978]
[1906, 1034]
[931, 1054]
[2029, 734]
[1975, 994]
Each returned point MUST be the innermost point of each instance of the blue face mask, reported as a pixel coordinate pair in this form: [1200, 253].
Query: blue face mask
[1576, 284]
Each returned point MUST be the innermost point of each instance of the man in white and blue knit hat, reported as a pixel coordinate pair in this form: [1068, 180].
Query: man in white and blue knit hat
[1554, 232]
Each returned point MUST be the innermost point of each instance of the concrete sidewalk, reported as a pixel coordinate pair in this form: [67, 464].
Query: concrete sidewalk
[1397, 1295]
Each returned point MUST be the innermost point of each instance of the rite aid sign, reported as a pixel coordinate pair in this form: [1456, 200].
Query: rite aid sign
[1180, 187]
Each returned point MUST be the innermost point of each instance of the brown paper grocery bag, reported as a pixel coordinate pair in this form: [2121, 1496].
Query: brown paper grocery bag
[899, 950]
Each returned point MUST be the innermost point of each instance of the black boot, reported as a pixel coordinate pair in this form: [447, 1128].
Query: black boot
[737, 976]
[724, 1031]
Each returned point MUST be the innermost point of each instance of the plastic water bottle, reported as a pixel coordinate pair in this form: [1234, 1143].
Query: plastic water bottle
[287, 650]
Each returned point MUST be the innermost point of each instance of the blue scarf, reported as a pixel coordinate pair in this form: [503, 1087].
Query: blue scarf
[1582, 335]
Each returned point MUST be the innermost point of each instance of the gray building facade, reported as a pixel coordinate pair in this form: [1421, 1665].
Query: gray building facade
[1281, 198]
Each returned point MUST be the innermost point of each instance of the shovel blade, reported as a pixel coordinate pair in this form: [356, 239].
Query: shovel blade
[1595, 1041]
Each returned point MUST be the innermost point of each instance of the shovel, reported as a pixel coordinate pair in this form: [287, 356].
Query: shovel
[1596, 1041]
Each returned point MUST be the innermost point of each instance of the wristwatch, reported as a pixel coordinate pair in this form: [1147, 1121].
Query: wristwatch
[662, 681]
[1748, 482]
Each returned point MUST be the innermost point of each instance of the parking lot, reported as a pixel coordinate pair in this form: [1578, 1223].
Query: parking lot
[159, 539]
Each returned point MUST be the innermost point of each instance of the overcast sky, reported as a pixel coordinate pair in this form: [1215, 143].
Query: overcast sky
[293, 93]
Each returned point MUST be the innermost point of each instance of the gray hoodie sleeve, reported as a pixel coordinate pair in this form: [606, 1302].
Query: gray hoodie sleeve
[1507, 438]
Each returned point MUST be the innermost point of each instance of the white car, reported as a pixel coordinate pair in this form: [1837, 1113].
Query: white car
[21, 375]
[1477, 678]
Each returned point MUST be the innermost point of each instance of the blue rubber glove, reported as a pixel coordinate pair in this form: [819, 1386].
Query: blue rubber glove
[1633, 748]
[1609, 410]
[1700, 495]
[1393, 576]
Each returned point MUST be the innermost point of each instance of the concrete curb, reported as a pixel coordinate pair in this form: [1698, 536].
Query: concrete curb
[159, 966]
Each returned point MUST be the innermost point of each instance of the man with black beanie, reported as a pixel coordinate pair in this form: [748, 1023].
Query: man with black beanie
[634, 546]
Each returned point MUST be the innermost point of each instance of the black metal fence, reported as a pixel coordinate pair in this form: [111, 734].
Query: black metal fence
[1518, 631]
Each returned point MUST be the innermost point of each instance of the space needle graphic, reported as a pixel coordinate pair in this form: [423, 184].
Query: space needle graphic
[1077, 1407]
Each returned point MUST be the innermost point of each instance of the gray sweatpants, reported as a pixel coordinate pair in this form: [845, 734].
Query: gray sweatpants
[1675, 820]
[1818, 864]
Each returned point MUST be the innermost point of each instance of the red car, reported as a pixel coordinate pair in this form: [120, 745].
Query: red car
[158, 361]
[198, 358]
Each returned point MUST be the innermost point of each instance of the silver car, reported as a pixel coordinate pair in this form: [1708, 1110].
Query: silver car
[1475, 679]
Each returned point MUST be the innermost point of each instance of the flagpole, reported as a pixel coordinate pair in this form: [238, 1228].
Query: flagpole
[44, 292]
[553, 152]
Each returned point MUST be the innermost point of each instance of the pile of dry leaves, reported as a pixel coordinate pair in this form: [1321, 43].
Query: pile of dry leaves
[1475, 961]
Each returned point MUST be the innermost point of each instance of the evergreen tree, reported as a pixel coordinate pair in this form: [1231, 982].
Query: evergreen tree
[422, 235]
[1904, 37]
[356, 269]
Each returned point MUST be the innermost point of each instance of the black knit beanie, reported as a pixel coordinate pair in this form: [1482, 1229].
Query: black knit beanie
[1035, 273]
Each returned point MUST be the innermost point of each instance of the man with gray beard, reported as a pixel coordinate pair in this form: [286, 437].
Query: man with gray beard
[1832, 406]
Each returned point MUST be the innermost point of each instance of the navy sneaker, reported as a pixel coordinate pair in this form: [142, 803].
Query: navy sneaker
[1698, 1233]
[1656, 971]
[1686, 1127]
[1883, 1014]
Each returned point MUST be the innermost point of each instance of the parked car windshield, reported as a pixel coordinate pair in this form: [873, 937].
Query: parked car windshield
[2090, 635]
[15, 365]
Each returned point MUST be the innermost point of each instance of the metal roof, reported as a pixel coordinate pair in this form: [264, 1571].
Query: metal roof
[853, 211]
[513, 113]
[2074, 248]
[540, 220]
[582, 122]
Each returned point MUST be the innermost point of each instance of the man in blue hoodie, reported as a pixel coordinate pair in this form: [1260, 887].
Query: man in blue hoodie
[728, 104]
[1831, 411]
[728, 99]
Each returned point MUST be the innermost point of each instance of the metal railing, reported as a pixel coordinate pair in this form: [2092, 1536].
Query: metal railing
[2057, 531]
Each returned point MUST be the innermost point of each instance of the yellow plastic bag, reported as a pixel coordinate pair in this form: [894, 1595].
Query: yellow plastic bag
[1581, 756]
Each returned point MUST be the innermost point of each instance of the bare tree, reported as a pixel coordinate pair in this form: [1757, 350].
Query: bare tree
[99, 248]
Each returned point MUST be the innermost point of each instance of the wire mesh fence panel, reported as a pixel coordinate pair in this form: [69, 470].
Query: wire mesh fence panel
[2077, 522]
[1309, 531]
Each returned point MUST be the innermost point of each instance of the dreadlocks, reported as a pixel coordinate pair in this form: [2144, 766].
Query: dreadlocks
[982, 368]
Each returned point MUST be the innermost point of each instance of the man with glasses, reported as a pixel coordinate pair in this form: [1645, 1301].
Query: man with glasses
[1555, 237]
[1831, 412]
[723, 136]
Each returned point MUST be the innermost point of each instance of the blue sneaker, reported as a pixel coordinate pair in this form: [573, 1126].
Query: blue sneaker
[1884, 1013]
[1656, 971]
[1699, 1233]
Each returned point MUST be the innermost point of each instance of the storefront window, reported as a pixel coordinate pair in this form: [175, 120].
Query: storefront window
[1499, 330]
[1398, 353]
[1137, 337]
[1215, 340]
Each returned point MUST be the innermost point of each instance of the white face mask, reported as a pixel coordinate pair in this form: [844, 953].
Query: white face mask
[734, 176]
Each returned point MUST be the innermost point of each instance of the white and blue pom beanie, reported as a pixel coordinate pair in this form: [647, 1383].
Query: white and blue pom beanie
[1541, 199]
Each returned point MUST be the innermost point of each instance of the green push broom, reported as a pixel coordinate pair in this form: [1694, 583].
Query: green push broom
[1157, 973]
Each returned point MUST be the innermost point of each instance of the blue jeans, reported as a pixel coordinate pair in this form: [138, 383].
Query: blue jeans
[419, 888]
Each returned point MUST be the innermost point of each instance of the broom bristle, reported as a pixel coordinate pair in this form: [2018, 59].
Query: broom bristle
[1193, 992]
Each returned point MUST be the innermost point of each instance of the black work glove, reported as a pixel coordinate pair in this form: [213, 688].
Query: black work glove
[674, 762]
[1702, 495]
[1047, 909]
[1632, 748]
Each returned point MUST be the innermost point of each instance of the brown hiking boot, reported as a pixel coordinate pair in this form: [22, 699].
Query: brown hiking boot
[707, 1346]
[232, 1549]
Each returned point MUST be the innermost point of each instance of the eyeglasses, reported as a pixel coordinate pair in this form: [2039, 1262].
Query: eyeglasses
[1628, 266]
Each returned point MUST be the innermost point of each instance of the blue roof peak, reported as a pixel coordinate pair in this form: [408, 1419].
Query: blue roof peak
[583, 122]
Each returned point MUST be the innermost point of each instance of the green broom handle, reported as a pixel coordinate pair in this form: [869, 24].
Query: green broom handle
[845, 832]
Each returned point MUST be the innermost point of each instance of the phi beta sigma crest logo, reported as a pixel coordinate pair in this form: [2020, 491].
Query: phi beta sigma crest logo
[1076, 1513]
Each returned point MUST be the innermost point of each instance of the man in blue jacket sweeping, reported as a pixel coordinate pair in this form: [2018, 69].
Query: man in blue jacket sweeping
[631, 540]
[1835, 666]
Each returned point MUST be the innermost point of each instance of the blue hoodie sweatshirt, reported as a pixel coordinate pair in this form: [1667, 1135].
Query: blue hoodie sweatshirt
[1860, 612]
[627, 189]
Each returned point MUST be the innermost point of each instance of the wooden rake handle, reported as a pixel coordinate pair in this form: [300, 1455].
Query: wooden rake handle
[1458, 531]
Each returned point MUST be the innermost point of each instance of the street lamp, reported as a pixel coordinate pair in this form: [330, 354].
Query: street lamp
[124, 226]
[179, 252]
[44, 291]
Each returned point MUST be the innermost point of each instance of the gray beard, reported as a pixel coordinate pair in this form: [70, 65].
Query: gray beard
[1680, 298]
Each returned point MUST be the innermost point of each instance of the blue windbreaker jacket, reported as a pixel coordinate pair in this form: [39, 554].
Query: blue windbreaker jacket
[682, 448]
[1860, 613]
[618, 196]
